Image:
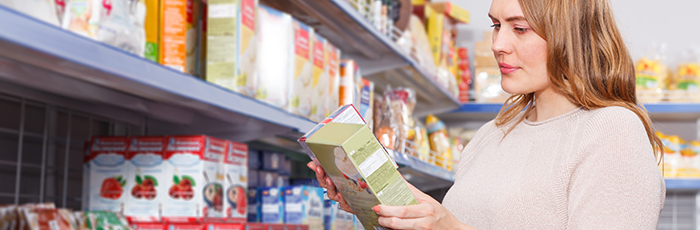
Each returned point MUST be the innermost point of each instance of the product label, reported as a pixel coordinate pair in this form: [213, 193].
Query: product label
[301, 41]
[108, 173]
[174, 33]
[247, 48]
[235, 183]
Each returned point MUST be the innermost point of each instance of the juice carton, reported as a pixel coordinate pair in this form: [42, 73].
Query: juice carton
[333, 71]
[349, 77]
[195, 189]
[247, 47]
[236, 182]
[319, 85]
[271, 203]
[152, 29]
[147, 179]
[224, 226]
[222, 34]
[302, 68]
[304, 205]
[358, 164]
[367, 102]
[108, 173]
[178, 34]
[274, 57]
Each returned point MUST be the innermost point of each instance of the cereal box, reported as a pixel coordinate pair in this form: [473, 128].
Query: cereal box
[178, 34]
[195, 188]
[247, 47]
[349, 79]
[319, 84]
[236, 182]
[108, 173]
[274, 57]
[304, 205]
[146, 173]
[358, 164]
[222, 34]
[333, 71]
[302, 69]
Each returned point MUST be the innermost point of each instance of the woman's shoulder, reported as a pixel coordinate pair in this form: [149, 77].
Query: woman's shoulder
[611, 119]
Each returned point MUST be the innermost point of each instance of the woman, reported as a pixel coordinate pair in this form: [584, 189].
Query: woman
[570, 150]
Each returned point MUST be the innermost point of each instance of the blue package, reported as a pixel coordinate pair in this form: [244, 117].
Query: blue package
[253, 204]
[304, 205]
[271, 209]
[254, 159]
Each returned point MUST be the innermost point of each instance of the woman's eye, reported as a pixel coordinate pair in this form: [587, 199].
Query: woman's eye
[520, 30]
[496, 26]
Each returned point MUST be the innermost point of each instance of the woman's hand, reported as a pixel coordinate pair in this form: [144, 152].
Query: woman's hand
[327, 183]
[427, 214]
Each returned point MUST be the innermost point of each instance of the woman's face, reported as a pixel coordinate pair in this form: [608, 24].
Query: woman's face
[521, 53]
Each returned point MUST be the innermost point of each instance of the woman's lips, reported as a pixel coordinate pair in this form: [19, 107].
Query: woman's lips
[506, 69]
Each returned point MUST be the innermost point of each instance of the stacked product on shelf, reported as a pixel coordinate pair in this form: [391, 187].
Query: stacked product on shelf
[681, 158]
[657, 82]
[487, 75]
[174, 179]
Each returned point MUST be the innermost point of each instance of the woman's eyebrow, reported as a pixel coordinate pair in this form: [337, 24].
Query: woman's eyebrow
[509, 19]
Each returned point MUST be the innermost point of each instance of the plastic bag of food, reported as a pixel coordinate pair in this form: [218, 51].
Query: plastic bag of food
[402, 101]
[46, 219]
[104, 220]
[82, 17]
[653, 75]
[386, 130]
[439, 141]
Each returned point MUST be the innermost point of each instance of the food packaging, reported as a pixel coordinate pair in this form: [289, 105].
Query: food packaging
[271, 205]
[195, 187]
[222, 35]
[44, 10]
[247, 47]
[147, 184]
[302, 69]
[358, 164]
[121, 24]
[235, 169]
[333, 71]
[367, 102]
[274, 57]
[319, 84]
[82, 17]
[304, 205]
[439, 142]
[350, 79]
[108, 173]
[152, 30]
[178, 34]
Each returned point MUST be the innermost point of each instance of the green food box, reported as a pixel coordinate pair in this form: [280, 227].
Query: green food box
[358, 164]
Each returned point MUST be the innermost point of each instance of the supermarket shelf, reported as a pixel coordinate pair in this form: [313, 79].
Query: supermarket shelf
[42, 62]
[682, 184]
[657, 111]
[423, 175]
[379, 57]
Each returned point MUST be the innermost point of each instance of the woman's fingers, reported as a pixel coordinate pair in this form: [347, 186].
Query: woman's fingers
[344, 204]
[408, 211]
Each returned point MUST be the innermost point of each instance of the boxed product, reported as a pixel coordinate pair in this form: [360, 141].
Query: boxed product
[253, 205]
[267, 178]
[304, 205]
[271, 205]
[196, 187]
[254, 159]
[253, 178]
[361, 168]
[319, 85]
[272, 161]
[286, 166]
[282, 180]
[152, 26]
[330, 208]
[349, 77]
[108, 173]
[367, 102]
[121, 24]
[147, 179]
[221, 39]
[178, 34]
[247, 47]
[236, 174]
[302, 69]
[333, 71]
[274, 55]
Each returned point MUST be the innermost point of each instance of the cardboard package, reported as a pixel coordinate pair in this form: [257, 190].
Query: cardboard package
[358, 164]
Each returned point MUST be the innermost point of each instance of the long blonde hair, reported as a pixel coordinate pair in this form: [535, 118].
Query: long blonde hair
[587, 61]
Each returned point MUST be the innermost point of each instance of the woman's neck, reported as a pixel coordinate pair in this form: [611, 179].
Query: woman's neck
[548, 104]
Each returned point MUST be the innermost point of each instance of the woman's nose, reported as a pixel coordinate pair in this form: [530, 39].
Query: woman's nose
[501, 43]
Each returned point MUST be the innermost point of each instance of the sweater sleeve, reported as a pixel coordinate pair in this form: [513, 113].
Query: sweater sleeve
[615, 181]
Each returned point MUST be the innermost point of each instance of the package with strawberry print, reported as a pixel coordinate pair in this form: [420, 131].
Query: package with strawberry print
[146, 174]
[195, 184]
[235, 168]
[107, 173]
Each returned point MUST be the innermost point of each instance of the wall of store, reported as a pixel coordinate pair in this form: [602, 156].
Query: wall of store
[642, 22]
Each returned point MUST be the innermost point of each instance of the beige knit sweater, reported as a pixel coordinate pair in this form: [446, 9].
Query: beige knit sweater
[586, 169]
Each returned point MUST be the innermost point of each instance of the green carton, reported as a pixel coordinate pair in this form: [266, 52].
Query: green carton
[360, 167]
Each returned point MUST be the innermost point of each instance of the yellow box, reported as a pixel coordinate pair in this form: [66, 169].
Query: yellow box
[152, 27]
